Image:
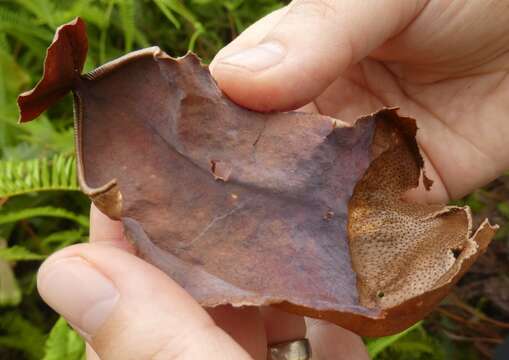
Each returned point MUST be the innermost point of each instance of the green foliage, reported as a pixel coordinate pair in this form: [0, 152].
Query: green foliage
[376, 346]
[473, 200]
[503, 208]
[10, 293]
[48, 211]
[28, 176]
[60, 239]
[18, 333]
[19, 253]
[64, 343]
[40, 209]
[412, 344]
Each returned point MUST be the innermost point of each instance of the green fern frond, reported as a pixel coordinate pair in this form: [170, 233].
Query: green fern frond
[43, 211]
[19, 253]
[22, 177]
[61, 239]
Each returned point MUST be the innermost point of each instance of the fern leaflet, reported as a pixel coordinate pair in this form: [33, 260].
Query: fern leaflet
[22, 177]
[43, 211]
[19, 253]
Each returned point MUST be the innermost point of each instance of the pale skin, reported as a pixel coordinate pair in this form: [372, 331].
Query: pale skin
[444, 63]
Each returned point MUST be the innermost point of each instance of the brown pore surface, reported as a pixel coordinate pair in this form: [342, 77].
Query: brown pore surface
[399, 249]
[247, 208]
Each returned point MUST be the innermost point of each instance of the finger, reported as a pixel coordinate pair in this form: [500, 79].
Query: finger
[91, 354]
[127, 309]
[438, 193]
[310, 45]
[244, 325]
[251, 36]
[281, 326]
[104, 230]
[254, 328]
[331, 342]
[309, 108]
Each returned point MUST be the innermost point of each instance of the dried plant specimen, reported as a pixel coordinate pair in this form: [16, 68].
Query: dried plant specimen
[291, 209]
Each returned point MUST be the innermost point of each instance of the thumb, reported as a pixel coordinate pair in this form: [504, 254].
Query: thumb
[127, 309]
[290, 57]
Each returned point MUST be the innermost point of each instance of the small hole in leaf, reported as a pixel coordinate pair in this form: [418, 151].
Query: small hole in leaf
[456, 252]
[328, 215]
[213, 166]
[380, 294]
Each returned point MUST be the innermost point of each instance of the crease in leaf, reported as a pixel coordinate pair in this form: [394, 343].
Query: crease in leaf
[289, 209]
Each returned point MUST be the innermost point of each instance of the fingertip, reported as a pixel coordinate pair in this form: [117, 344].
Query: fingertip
[91, 354]
[277, 74]
[253, 70]
[284, 64]
[256, 92]
[329, 341]
[112, 297]
[281, 326]
[244, 325]
[60, 283]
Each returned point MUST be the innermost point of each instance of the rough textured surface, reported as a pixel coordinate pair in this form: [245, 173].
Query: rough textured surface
[400, 250]
[247, 208]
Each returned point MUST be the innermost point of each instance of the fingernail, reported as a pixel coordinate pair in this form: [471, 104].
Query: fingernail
[79, 292]
[258, 58]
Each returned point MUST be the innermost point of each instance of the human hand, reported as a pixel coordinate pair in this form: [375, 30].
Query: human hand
[443, 62]
[446, 64]
[127, 309]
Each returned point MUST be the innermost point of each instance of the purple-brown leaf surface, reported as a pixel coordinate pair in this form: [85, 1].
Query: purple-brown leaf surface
[290, 209]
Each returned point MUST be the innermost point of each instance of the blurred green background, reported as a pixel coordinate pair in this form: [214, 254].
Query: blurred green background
[42, 210]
